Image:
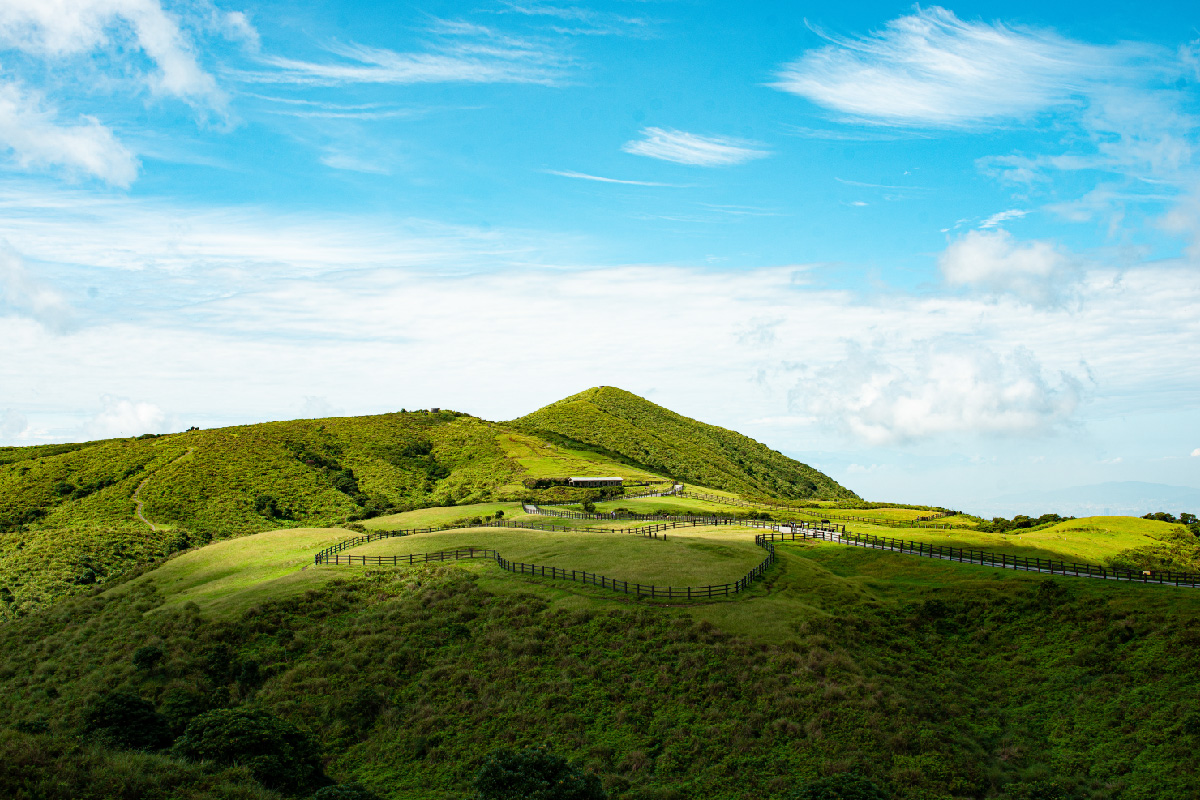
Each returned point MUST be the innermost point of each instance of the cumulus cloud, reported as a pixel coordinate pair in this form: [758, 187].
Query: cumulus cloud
[74, 27]
[24, 295]
[948, 388]
[13, 426]
[993, 260]
[121, 416]
[932, 69]
[1196, 453]
[37, 138]
[690, 148]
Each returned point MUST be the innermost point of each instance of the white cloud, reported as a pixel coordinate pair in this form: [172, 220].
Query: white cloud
[1196, 453]
[463, 54]
[354, 163]
[690, 148]
[13, 426]
[932, 69]
[38, 139]
[59, 28]
[1001, 217]
[26, 296]
[121, 416]
[585, 177]
[993, 260]
[947, 388]
[247, 311]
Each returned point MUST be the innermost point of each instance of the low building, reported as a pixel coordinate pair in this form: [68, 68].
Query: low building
[593, 483]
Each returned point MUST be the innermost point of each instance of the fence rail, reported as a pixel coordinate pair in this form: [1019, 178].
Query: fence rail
[332, 556]
[1002, 560]
[793, 530]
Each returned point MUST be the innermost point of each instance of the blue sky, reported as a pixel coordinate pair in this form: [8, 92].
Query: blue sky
[943, 253]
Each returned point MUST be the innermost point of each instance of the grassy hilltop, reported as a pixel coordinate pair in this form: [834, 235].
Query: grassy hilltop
[631, 429]
[69, 514]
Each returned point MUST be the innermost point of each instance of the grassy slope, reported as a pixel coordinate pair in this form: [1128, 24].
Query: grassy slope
[67, 509]
[1121, 541]
[622, 423]
[939, 680]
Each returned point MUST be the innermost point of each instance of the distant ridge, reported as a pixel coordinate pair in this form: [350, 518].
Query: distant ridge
[1113, 498]
[625, 426]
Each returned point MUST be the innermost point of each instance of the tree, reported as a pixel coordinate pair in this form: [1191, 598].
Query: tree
[846, 786]
[126, 720]
[534, 774]
[277, 753]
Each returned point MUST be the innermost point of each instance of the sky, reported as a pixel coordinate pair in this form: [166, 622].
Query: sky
[944, 254]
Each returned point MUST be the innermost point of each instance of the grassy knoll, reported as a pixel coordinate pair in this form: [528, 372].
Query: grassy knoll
[651, 437]
[433, 517]
[230, 576]
[690, 557]
[937, 680]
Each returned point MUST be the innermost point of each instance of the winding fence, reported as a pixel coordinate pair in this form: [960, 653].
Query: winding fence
[777, 532]
[331, 555]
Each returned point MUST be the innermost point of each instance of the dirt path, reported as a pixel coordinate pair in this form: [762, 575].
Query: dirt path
[137, 493]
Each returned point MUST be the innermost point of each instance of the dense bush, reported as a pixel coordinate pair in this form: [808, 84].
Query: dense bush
[127, 721]
[840, 787]
[345, 791]
[277, 753]
[534, 774]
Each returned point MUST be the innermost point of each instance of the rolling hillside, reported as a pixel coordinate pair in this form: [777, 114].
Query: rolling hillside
[932, 679]
[634, 430]
[70, 514]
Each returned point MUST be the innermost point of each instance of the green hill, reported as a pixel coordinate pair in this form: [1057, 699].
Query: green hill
[634, 430]
[932, 679]
[70, 516]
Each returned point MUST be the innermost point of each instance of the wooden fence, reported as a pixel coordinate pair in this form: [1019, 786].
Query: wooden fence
[331, 556]
[529, 508]
[1001, 560]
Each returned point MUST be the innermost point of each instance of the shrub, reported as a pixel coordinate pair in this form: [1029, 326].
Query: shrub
[846, 786]
[267, 506]
[345, 791]
[127, 721]
[147, 658]
[1037, 790]
[277, 753]
[534, 774]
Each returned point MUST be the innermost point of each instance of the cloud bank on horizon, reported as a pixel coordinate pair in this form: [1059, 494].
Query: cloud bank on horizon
[963, 251]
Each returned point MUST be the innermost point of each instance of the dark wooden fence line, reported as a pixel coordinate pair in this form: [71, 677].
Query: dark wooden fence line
[530, 508]
[557, 573]
[918, 522]
[1002, 560]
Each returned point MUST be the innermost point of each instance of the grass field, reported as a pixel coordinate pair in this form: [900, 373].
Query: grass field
[225, 578]
[432, 517]
[1091, 540]
[693, 557]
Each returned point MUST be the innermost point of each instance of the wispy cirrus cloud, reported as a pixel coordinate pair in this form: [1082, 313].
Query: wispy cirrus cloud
[681, 147]
[932, 69]
[458, 53]
[583, 176]
[582, 21]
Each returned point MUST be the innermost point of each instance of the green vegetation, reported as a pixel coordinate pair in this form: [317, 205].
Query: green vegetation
[925, 678]
[698, 556]
[624, 426]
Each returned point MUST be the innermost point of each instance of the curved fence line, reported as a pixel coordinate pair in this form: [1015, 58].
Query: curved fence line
[1002, 560]
[557, 573]
[778, 532]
